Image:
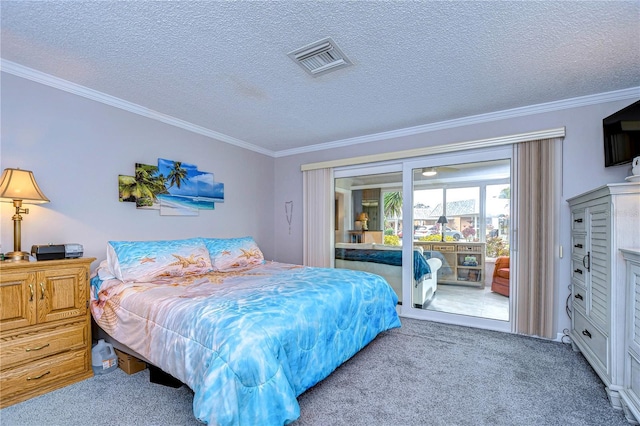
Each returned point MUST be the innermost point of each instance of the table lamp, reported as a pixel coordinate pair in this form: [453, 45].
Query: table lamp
[442, 220]
[364, 218]
[18, 186]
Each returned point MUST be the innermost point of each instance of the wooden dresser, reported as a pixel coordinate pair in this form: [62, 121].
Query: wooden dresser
[45, 329]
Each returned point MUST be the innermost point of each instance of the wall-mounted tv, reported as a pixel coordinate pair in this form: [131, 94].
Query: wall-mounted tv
[622, 136]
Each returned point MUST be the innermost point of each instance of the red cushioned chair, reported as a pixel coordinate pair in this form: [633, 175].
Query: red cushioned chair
[500, 283]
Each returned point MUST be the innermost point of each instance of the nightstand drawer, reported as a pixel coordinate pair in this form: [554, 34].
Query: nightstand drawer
[31, 346]
[43, 375]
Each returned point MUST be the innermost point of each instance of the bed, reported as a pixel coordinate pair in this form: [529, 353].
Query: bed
[247, 336]
[386, 261]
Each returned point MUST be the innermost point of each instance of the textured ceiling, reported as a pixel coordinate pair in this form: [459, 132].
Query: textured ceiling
[224, 65]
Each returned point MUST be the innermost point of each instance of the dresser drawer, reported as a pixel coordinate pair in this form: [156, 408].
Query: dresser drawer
[595, 340]
[579, 297]
[578, 220]
[469, 249]
[20, 349]
[634, 382]
[578, 271]
[43, 375]
[444, 249]
[578, 245]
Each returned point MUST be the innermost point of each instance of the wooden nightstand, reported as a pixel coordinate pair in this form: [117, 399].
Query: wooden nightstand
[45, 329]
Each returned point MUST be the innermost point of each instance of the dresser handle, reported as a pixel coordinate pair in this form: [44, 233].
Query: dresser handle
[31, 291]
[586, 333]
[578, 220]
[36, 349]
[588, 259]
[578, 271]
[577, 245]
[578, 296]
[41, 291]
[39, 377]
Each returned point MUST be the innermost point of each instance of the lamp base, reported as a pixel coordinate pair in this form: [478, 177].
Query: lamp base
[16, 256]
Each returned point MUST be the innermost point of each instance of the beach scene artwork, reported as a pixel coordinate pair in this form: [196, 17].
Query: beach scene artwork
[126, 184]
[173, 187]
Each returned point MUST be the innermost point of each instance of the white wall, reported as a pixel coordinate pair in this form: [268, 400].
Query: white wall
[77, 147]
[583, 169]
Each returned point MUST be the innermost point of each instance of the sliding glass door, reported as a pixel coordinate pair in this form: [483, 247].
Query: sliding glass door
[455, 217]
[460, 209]
[442, 223]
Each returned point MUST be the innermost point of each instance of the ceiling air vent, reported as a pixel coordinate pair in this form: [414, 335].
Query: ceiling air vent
[320, 57]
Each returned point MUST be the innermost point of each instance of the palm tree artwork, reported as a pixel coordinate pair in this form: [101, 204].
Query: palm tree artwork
[149, 183]
[142, 188]
[178, 174]
[181, 188]
[126, 187]
[173, 187]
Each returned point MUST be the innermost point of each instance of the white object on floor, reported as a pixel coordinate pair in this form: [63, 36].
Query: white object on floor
[103, 358]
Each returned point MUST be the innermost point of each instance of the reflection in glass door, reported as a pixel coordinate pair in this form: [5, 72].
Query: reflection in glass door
[368, 224]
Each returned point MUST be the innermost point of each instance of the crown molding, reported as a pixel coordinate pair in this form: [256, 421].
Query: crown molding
[558, 132]
[76, 89]
[67, 86]
[631, 93]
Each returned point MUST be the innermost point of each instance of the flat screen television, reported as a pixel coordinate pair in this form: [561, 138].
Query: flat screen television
[622, 136]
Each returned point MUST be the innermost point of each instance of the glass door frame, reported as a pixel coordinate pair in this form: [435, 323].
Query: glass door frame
[441, 160]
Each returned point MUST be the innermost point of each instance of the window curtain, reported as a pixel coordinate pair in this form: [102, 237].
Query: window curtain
[317, 217]
[535, 236]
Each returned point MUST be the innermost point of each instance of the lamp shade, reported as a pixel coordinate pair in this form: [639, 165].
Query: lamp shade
[17, 184]
[442, 219]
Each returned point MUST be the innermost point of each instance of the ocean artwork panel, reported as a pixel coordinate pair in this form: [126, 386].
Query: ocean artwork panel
[181, 188]
[173, 187]
[218, 192]
[205, 196]
[175, 205]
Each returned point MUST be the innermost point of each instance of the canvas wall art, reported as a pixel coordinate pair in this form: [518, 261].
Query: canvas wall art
[172, 187]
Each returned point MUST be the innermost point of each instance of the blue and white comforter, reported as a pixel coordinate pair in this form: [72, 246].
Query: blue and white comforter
[386, 257]
[248, 343]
